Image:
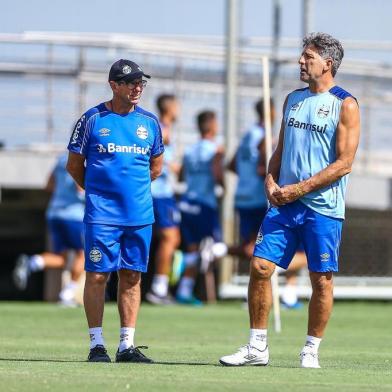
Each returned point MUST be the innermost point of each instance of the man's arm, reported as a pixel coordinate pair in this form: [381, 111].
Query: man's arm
[271, 185]
[347, 139]
[156, 163]
[233, 163]
[75, 167]
[217, 166]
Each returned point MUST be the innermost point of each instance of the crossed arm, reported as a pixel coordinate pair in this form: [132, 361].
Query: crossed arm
[347, 139]
[76, 168]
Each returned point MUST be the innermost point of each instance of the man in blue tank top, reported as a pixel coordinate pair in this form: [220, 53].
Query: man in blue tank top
[115, 151]
[167, 215]
[251, 201]
[64, 217]
[202, 170]
[305, 184]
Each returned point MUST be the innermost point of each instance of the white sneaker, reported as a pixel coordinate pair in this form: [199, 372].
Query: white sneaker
[247, 355]
[309, 359]
[21, 272]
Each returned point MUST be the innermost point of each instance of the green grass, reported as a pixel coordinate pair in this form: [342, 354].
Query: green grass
[44, 347]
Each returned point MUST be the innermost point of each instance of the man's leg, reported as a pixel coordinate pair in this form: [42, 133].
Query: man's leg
[94, 299]
[128, 300]
[128, 297]
[320, 308]
[321, 303]
[184, 293]
[68, 293]
[259, 302]
[260, 292]
[169, 240]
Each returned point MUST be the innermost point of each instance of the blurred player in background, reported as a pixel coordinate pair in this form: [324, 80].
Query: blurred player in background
[115, 151]
[251, 201]
[202, 170]
[306, 184]
[65, 223]
[167, 215]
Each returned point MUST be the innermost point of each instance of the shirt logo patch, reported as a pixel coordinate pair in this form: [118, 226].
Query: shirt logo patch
[104, 132]
[126, 69]
[142, 133]
[259, 238]
[95, 255]
[323, 111]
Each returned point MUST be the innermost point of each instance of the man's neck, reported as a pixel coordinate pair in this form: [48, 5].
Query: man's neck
[322, 85]
[118, 106]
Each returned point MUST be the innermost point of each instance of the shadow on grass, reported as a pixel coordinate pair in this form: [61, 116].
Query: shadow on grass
[84, 361]
[167, 363]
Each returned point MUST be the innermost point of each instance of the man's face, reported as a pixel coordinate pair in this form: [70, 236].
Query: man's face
[174, 110]
[129, 92]
[312, 65]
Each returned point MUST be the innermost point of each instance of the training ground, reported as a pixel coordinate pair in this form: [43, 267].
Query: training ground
[44, 347]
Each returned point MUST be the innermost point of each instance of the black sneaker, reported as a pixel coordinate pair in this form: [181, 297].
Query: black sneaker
[98, 354]
[133, 354]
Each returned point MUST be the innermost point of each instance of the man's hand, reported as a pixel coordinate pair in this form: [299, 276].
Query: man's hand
[287, 194]
[271, 187]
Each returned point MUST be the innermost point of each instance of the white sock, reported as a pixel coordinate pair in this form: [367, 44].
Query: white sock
[96, 337]
[126, 338]
[185, 288]
[289, 294]
[36, 263]
[312, 343]
[258, 338]
[160, 285]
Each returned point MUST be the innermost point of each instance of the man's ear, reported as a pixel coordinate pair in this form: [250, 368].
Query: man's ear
[113, 85]
[328, 65]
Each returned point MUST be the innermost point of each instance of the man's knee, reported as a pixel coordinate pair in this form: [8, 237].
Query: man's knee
[129, 278]
[96, 279]
[171, 237]
[261, 269]
[322, 283]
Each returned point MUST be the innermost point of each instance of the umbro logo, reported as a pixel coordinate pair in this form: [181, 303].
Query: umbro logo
[104, 132]
[249, 357]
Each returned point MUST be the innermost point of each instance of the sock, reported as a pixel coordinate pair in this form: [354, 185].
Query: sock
[289, 295]
[312, 343]
[258, 338]
[68, 292]
[96, 337]
[126, 338]
[160, 285]
[185, 288]
[36, 263]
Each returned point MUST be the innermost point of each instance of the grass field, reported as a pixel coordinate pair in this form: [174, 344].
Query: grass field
[44, 347]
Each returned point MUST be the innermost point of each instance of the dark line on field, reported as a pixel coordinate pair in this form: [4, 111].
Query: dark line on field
[39, 360]
[185, 363]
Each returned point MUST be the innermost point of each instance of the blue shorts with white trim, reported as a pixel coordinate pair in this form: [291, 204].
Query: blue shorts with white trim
[285, 227]
[111, 248]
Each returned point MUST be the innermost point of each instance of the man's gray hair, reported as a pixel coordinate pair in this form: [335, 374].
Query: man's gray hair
[327, 47]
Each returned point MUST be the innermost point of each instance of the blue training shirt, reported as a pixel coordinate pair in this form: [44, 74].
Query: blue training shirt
[198, 176]
[67, 202]
[310, 146]
[118, 149]
[250, 186]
